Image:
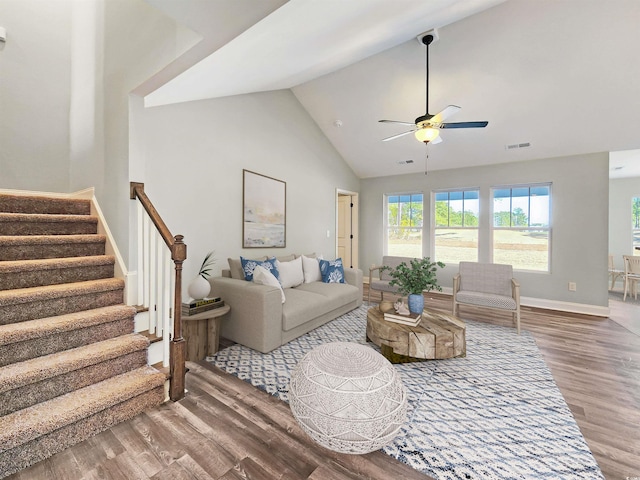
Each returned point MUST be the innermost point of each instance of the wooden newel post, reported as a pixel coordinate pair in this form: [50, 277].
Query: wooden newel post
[177, 367]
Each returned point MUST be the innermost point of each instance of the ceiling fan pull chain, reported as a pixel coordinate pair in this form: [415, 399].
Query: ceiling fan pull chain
[426, 158]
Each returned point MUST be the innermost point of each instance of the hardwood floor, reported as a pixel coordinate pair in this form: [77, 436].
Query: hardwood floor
[226, 429]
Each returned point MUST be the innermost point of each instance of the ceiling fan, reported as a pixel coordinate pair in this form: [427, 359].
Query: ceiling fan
[427, 127]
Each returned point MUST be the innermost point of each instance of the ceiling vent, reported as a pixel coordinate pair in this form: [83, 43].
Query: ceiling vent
[405, 162]
[515, 146]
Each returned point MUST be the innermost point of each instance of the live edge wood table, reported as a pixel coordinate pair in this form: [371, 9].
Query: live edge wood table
[437, 336]
[202, 332]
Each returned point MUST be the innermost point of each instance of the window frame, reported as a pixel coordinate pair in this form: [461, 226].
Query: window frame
[435, 226]
[548, 228]
[386, 225]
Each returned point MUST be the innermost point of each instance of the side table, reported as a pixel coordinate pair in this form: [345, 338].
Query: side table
[202, 332]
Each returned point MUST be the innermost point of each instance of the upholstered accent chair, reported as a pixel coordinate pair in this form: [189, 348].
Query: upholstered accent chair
[487, 285]
[381, 284]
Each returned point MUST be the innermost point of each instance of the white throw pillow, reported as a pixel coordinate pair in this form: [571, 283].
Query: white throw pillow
[311, 269]
[263, 276]
[290, 273]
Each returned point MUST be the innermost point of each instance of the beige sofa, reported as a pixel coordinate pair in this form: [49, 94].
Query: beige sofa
[260, 320]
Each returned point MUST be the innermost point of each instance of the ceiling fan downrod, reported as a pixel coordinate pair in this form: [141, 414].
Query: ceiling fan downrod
[426, 40]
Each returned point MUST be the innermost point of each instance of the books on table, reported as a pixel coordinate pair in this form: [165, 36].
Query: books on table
[412, 320]
[199, 306]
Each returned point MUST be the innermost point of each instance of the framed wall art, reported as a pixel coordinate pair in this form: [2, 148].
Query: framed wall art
[263, 211]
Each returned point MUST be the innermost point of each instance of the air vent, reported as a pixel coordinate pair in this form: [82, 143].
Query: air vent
[405, 162]
[515, 146]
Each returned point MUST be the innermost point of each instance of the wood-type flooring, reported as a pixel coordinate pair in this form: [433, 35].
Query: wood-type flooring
[226, 429]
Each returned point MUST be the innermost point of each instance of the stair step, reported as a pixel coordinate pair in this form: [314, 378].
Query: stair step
[54, 271]
[43, 336]
[47, 224]
[23, 304]
[40, 379]
[37, 204]
[29, 247]
[32, 434]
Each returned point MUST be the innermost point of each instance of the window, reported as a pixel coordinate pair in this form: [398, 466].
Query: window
[521, 226]
[456, 226]
[635, 224]
[404, 225]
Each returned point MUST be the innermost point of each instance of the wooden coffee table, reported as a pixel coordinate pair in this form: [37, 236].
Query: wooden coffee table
[437, 336]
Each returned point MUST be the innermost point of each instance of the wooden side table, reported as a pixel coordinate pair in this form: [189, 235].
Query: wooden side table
[202, 332]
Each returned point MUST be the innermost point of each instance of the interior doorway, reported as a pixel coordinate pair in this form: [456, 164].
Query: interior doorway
[347, 228]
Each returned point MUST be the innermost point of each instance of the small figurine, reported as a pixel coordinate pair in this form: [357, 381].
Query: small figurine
[401, 308]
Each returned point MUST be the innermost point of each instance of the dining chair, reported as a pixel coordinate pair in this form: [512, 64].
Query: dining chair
[631, 275]
[614, 274]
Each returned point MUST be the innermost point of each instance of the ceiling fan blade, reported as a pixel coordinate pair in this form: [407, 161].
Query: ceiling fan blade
[444, 114]
[464, 125]
[398, 135]
[437, 140]
[411, 124]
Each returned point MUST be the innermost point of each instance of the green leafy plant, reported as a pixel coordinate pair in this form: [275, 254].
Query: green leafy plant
[416, 277]
[207, 263]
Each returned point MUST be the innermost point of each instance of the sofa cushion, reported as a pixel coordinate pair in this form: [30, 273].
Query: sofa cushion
[249, 265]
[311, 269]
[262, 276]
[290, 273]
[235, 267]
[343, 293]
[302, 306]
[332, 271]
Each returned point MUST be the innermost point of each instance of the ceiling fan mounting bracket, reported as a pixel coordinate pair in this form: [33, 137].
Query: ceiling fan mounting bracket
[428, 37]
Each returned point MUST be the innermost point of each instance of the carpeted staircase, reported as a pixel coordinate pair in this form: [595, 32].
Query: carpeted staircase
[70, 364]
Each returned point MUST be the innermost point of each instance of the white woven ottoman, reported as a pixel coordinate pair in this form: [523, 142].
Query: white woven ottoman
[348, 397]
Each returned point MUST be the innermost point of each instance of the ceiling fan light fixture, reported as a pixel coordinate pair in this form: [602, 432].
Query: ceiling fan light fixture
[427, 134]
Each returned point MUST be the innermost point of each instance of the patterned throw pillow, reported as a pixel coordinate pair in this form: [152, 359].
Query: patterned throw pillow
[249, 265]
[332, 271]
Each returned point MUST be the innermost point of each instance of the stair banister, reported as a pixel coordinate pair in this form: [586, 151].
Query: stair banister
[178, 250]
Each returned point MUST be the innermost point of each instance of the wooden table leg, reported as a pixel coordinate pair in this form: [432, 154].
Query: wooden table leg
[213, 335]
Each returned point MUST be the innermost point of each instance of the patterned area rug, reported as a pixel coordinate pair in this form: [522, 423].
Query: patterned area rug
[495, 414]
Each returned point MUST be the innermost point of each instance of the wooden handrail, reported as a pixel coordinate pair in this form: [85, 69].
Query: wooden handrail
[177, 350]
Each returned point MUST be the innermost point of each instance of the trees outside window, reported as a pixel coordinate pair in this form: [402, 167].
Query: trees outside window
[404, 225]
[455, 236]
[521, 226]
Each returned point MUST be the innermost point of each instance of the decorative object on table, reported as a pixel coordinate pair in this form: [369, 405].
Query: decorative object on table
[413, 279]
[203, 305]
[386, 306]
[400, 308]
[411, 319]
[348, 397]
[200, 287]
[263, 211]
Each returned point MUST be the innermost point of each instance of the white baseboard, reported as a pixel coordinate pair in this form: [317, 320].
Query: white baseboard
[582, 308]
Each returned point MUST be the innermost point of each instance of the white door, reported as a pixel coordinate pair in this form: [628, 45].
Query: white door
[347, 241]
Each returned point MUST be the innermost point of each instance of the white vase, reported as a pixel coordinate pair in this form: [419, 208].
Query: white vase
[199, 288]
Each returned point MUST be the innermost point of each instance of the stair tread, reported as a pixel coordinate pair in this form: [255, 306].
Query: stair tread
[40, 368]
[46, 217]
[11, 266]
[48, 292]
[32, 422]
[44, 204]
[7, 240]
[42, 327]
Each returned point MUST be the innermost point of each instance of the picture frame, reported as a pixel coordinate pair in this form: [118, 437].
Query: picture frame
[264, 211]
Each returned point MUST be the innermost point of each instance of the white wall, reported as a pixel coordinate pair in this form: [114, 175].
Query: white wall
[194, 154]
[621, 191]
[579, 217]
[35, 94]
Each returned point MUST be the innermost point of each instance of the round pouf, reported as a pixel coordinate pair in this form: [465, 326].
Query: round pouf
[348, 397]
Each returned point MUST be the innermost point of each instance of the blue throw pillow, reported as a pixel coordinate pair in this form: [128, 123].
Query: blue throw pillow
[249, 265]
[332, 271]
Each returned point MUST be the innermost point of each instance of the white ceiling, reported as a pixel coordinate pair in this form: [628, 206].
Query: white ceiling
[560, 75]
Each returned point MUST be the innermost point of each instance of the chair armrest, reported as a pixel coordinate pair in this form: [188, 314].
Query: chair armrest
[515, 291]
[373, 269]
[353, 276]
[456, 283]
[255, 319]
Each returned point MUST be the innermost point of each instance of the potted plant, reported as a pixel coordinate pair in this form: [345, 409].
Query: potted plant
[413, 279]
[200, 287]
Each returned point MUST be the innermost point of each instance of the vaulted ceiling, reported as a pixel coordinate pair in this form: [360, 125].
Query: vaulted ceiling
[559, 75]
